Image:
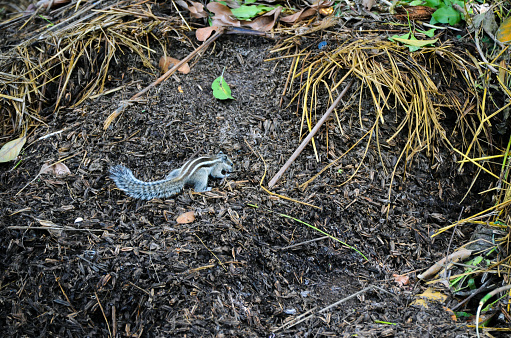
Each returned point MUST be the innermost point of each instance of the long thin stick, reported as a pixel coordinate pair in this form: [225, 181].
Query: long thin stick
[171, 71]
[302, 317]
[309, 137]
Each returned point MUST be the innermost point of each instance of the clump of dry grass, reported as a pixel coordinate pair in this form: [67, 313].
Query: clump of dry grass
[426, 85]
[66, 62]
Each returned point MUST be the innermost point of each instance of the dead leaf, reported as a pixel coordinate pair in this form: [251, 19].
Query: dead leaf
[265, 22]
[196, 8]
[102, 281]
[413, 13]
[306, 12]
[298, 16]
[223, 15]
[451, 313]
[166, 61]
[429, 296]
[224, 18]
[401, 280]
[187, 217]
[202, 34]
[504, 31]
[11, 149]
[57, 170]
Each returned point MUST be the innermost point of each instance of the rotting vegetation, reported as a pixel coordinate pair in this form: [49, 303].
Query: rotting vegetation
[438, 106]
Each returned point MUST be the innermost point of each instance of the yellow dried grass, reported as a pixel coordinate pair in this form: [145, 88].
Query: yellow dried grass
[53, 56]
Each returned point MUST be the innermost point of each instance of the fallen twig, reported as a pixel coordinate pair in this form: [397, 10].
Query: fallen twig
[162, 78]
[302, 317]
[59, 228]
[309, 137]
[454, 257]
[303, 243]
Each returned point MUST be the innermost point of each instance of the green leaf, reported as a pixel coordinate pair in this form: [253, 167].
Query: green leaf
[447, 15]
[249, 12]
[404, 36]
[221, 89]
[416, 3]
[430, 32]
[11, 149]
[433, 3]
[248, 2]
[413, 44]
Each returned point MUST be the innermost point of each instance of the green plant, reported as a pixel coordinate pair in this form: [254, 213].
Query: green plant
[246, 11]
[410, 41]
[221, 89]
[445, 11]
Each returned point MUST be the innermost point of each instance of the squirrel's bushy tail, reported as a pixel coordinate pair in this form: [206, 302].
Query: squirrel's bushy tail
[124, 179]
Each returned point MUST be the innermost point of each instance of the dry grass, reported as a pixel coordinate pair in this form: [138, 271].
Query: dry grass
[72, 58]
[426, 85]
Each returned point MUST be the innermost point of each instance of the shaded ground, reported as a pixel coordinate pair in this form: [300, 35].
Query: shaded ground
[131, 270]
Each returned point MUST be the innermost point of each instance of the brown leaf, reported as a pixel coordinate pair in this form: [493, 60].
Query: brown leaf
[224, 18]
[196, 8]
[166, 61]
[102, 281]
[295, 17]
[401, 280]
[264, 22]
[61, 170]
[187, 217]
[223, 15]
[202, 34]
[306, 12]
[57, 170]
[182, 4]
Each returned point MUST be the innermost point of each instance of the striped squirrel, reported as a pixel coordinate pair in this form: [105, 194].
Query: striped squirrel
[194, 173]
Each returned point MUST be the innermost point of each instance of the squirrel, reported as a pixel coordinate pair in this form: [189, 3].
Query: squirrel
[194, 173]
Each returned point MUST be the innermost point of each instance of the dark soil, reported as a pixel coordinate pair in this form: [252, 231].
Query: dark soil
[129, 269]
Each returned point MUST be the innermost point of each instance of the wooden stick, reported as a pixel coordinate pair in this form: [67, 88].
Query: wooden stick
[171, 71]
[309, 137]
[162, 78]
